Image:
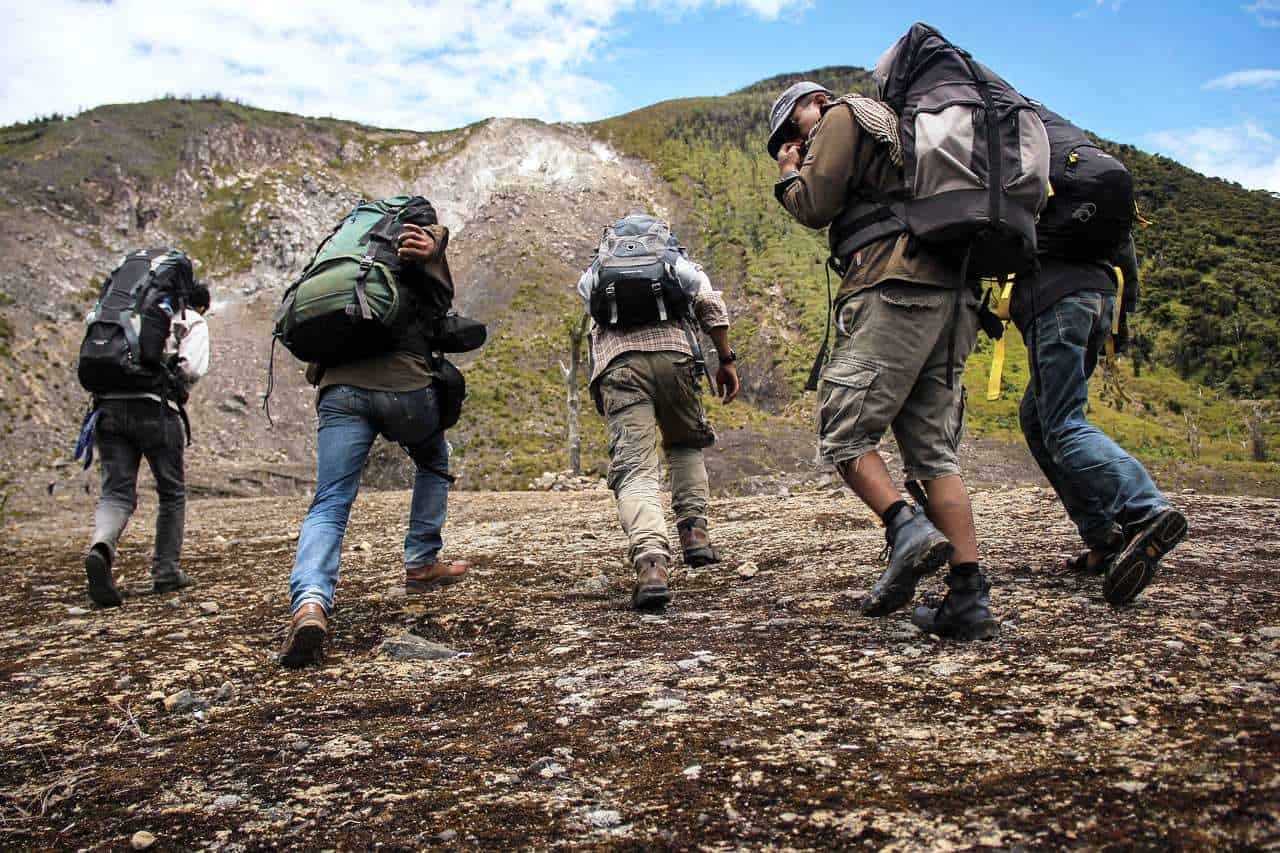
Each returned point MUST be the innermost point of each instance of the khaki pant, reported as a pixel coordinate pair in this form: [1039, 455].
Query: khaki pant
[888, 369]
[639, 394]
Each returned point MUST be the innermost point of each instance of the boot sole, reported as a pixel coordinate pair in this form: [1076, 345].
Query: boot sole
[651, 598]
[308, 640]
[987, 629]
[701, 557]
[102, 589]
[1134, 569]
[901, 593]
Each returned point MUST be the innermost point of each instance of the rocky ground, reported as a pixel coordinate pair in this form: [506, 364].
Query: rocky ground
[530, 707]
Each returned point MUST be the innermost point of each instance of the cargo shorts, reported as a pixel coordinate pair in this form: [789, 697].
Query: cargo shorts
[888, 368]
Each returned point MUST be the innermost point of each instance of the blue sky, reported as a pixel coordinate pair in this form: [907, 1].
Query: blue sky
[1197, 81]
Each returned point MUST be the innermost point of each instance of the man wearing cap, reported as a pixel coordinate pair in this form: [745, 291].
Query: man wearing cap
[890, 366]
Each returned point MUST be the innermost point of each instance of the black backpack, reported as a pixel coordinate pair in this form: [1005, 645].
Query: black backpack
[635, 281]
[975, 160]
[1092, 209]
[123, 347]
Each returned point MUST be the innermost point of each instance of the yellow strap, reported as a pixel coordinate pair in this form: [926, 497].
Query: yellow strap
[997, 367]
[1115, 315]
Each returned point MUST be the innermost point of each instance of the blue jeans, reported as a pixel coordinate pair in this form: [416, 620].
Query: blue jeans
[350, 419]
[1104, 490]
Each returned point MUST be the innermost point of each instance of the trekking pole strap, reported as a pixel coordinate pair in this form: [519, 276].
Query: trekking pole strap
[821, 360]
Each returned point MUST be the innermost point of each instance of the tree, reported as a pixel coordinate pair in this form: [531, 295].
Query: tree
[577, 332]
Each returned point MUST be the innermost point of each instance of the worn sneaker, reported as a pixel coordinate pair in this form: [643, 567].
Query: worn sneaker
[304, 640]
[1136, 566]
[651, 591]
[964, 612]
[178, 580]
[97, 568]
[917, 550]
[695, 542]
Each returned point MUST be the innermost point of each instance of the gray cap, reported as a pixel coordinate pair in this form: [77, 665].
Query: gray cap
[781, 111]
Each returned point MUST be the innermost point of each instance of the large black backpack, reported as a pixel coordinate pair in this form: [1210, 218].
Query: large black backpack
[123, 347]
[634, 275]
[1092, 209]
[975, 160]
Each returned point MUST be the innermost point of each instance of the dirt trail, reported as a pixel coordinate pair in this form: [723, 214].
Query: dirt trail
[759, 712]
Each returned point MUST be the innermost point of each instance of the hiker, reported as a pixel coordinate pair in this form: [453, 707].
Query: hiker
[1074, 311]
[906, 315]
[140, 376]
[644, 296]
[376, 374]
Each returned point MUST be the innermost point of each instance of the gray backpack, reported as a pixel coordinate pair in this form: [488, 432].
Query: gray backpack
[634, 280]
[974, 155]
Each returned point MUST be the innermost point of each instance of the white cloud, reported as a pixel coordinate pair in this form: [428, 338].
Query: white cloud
[1246, 153]
[1253, 78]
[422, 64]
[1265, 12]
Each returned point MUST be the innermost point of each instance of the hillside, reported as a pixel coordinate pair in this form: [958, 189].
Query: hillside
[248, 192]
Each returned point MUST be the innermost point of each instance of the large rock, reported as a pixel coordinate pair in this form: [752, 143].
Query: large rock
[409, 646]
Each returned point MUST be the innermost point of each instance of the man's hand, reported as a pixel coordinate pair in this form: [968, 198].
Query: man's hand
[727, 384]
[416, 244]
[789, 157]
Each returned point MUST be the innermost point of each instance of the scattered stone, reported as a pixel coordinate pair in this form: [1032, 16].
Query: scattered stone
[209, 608]
[225, 693]
[183, 700]
[78, 611]
[1271, 632]
[142, 840]
[1131, 786]
[749, 569]
[603, 818]
[408, 646]
[226, 801]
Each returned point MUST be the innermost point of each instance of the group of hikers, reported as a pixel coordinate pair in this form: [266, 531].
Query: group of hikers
[946, 189]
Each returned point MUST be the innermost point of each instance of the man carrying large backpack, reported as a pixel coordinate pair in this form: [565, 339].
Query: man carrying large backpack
[644, 296]
[891, 178]
[366, 314]
[1088, 281]
[145, 345]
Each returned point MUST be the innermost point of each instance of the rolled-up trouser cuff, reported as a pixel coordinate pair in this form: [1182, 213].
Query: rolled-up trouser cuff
[844, 454]
[932, 472]
[312, 596]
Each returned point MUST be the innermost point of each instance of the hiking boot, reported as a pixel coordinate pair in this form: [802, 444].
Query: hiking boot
[97, 568]
[964, 612]
[916, 550]
[696, 543]
[651, 592]
[178, 580]
[304, 642]
[434, 575]
[1136, 565]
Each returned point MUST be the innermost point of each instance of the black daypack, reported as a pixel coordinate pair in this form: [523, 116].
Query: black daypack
[975, 160]
[123, 347]
[1092, 209]
[634, 275]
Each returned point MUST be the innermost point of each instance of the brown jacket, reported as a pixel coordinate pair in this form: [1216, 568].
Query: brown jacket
[397, 371]
[842, 160]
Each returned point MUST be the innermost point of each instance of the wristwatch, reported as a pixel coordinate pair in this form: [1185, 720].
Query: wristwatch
[728, 357]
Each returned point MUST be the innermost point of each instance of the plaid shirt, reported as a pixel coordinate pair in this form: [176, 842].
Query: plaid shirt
[670, 336]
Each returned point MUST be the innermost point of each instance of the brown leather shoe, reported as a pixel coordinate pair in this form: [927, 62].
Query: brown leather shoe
[696, 543]
[304, 643]
[434, 575]
[651, 592]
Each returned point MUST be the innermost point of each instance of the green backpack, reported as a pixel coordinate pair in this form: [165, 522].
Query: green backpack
[350, 302]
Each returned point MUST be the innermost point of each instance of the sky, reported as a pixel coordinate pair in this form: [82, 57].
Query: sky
[1198, 81]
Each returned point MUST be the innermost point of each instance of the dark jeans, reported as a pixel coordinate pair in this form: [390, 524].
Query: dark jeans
[127, 432]
[1103, 488]
[350, 419]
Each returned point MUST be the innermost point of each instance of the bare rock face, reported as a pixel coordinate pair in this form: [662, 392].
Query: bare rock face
[751, 713]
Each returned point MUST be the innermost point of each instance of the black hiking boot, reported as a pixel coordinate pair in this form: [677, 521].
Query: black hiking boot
[696, 543]
[1136, 566]
[179, 580]
[651, 591]
[97, 568]
[964, 612]
[916, 550]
